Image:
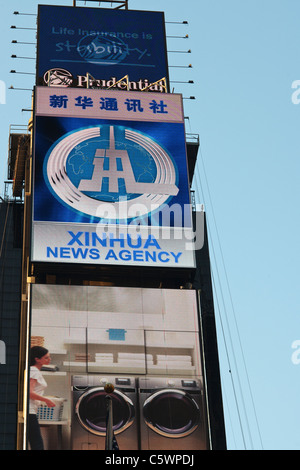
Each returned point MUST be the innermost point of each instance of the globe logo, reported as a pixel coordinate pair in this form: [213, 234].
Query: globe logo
[103, 169]
[102, 50]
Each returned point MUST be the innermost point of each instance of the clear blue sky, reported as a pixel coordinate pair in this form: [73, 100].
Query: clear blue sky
[245, 57]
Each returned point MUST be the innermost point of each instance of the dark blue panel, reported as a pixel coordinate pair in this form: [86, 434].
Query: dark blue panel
[102, 42]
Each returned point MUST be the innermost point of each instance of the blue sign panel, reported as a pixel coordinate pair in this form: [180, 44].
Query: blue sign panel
[110, 179]
[82, 164]
[98, 47]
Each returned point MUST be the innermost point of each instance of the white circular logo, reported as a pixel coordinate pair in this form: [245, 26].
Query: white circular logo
[102, 171]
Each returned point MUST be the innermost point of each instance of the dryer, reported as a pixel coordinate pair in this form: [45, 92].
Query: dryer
[89, 410]
[172, 415]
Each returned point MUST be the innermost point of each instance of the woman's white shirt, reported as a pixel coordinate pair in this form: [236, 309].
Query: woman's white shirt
[39, 388]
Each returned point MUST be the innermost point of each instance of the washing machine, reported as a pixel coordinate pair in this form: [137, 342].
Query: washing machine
[172, 414]
[89, 411]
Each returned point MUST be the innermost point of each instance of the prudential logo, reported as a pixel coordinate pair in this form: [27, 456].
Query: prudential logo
[104, 171]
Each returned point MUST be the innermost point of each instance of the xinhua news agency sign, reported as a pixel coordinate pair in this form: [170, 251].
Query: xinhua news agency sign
[97, 47]
[110, 179]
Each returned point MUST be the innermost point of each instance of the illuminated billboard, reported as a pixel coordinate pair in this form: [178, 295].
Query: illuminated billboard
[98, 47]
[110, 182]
[145, 342]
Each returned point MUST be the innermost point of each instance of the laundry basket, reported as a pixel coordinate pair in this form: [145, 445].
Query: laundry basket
[45, 413]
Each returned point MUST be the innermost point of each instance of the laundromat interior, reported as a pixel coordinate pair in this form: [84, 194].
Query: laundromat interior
[145, 342]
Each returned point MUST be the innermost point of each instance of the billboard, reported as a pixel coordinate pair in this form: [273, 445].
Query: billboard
[110, 183]
[137, 339]
[98, 47]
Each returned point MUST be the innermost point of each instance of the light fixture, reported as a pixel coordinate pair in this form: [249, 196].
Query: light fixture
[23, 73]
[13, 56]
[174, 81]
[179, 37]
[23, 89]
[17, 27]
[183, 52]
[181, 66]
[177, 22]
[14, 41]
[29, 14]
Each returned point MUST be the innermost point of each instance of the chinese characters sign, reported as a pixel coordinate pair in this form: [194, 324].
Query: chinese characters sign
[109, 104]
[110, 178]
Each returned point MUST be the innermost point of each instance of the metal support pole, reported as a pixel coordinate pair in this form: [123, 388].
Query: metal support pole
[109, 424]
[109, 438]
[122, 3]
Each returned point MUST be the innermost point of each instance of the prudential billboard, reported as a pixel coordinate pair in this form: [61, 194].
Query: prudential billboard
[98, 47]
[110, 179]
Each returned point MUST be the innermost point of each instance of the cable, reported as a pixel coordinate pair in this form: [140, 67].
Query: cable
[222, 327]
[229, 365]
[227, 282]
[223, 334]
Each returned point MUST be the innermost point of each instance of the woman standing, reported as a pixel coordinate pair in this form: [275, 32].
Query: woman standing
[39, 356]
